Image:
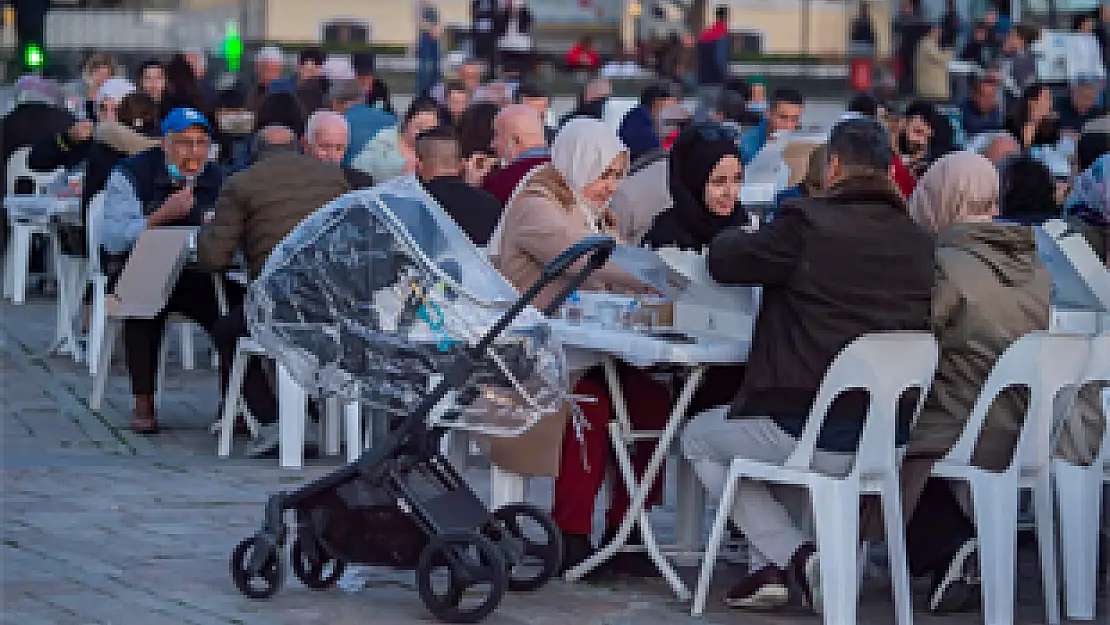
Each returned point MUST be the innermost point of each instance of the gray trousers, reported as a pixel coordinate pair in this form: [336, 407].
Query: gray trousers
[769, 515]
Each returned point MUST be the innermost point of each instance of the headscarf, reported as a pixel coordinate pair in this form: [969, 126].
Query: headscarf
[1090, 195]
[959, 186]
[688, 223]
[582, 151]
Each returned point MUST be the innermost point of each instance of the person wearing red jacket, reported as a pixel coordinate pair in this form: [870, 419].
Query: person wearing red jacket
[582, 55]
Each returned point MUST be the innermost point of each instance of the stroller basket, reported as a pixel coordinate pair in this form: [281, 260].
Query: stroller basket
[380, 299]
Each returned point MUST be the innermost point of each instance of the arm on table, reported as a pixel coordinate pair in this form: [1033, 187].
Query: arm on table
[543, 234]
[768, 256]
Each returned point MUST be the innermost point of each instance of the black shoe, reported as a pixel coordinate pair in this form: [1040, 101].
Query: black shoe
[576, 548]
[762, 591]
[955, 589]
[630, 563]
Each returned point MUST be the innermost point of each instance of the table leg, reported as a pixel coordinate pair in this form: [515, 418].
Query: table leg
[690, 507]
[640, 489]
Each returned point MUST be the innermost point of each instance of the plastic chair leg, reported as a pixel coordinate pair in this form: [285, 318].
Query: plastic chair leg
[331, 426]
[1079, 497]
[1046, 541]
[995, 504]
[20, 247]
[352, 422]
[713, 548]
[291, 420]
[99, 320]
[100, 380]
[231, 403]
[896, 551]
[188, 349]
[836, 515]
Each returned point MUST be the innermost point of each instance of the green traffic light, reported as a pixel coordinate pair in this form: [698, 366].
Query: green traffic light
[33, 56]
[233, 47]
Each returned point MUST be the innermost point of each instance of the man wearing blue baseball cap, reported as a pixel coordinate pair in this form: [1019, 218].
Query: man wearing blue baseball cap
[171, 185]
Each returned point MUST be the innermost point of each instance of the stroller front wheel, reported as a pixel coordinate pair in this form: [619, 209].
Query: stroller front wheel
[539, 548]
[314, 571]
[450, 570]
[267, 581]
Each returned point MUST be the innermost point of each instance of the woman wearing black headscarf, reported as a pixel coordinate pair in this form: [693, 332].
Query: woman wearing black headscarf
[704, 175]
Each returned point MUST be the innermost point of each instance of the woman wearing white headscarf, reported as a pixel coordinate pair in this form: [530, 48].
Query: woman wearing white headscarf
[555, 206]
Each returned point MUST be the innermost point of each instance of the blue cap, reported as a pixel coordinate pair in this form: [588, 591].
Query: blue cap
[181, 118]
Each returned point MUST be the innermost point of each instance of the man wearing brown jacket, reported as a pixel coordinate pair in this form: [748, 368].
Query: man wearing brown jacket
[257, 208]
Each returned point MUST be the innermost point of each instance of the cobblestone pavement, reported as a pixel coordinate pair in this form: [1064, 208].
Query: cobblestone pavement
[101, 526]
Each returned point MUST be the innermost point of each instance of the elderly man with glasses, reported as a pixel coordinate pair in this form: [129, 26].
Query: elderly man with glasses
[172, 185]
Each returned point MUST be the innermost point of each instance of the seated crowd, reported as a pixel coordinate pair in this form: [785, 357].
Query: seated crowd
[887, 227]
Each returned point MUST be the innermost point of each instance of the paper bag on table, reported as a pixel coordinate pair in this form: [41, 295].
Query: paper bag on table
[151, 272]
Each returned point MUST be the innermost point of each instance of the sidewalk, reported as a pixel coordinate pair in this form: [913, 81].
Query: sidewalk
[101, 526]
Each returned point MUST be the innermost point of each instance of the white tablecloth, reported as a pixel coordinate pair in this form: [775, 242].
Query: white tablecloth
[40, 208]
[587, 343]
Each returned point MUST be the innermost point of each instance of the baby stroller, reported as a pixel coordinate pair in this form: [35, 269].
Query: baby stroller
[379, 298]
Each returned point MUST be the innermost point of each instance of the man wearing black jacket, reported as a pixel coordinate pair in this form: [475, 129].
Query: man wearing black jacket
[440, 169]
[832, 268]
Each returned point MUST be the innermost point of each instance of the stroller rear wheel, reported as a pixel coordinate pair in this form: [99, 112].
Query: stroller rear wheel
[540, 544]
[467, 562]
[318, 572]
[264, 583]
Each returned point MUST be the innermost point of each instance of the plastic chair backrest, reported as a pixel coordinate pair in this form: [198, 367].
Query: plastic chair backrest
[1098, 370]
[93, 222]
[886, 365]
[1045, 363]
[18, 168]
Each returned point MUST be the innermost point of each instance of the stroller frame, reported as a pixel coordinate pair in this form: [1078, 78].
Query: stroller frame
[477, 546]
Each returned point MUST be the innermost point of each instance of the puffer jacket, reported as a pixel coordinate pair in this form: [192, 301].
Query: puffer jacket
[260, 205]
[991, 289]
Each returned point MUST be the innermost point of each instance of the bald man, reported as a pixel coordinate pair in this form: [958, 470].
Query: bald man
[518, 140]
[257, 208]
[439, 167]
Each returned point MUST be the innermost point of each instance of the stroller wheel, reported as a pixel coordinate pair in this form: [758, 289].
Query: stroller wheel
[267, 581]
[539, 542]
[318, 573]
[461, 577]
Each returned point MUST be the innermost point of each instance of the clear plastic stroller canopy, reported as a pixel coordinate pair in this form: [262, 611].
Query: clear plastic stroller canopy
[379, 291]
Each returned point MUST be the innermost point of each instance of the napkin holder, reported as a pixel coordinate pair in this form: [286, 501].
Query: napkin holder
[707, 307]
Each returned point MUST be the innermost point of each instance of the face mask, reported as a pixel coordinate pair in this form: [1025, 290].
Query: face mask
[757, 107]
[178, 176]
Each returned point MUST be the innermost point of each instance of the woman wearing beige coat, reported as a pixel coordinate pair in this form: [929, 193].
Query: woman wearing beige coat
[555, 206]
[991, 289]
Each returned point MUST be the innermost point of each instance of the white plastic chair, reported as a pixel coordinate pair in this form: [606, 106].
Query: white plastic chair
[886, 365]
[1079, 503]
[291, 409]
[18, 252]
[1046, 364]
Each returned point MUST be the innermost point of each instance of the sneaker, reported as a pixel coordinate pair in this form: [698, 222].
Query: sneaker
[269, 435]
[763, 590]
[955, 590]
[805, 566]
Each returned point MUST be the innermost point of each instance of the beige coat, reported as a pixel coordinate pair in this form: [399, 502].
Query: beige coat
[539, 223]
[931, 79]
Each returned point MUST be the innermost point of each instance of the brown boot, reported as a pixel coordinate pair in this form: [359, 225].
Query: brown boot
[143, 420]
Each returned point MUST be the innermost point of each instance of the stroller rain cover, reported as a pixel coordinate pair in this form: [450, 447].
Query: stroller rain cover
[374, 294]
